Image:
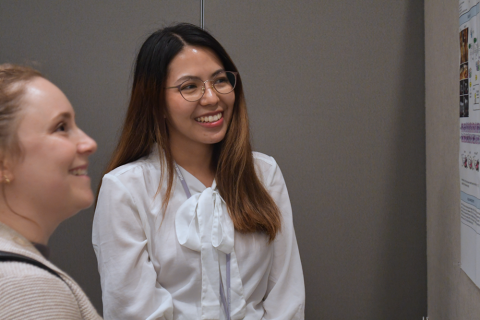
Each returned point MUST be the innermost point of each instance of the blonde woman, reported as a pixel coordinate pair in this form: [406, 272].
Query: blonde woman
[43, 172]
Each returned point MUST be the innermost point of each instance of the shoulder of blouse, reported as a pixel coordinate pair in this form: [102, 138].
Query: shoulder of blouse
[265, 166]
[258, 156]
[147, 163]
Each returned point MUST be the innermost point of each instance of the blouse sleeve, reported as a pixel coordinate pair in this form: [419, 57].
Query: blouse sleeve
[130, 289]
[285, 297]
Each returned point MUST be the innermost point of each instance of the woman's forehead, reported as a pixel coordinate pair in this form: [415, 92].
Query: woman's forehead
[43, 101]
[193, 61]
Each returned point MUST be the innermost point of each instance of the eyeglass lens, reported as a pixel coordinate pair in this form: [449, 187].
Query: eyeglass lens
[192, 89]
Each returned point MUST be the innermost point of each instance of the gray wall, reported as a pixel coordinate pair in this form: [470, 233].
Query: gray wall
[335, 92]
[451, 294]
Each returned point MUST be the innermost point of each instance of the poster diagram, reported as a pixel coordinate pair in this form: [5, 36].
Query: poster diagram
[469, 155]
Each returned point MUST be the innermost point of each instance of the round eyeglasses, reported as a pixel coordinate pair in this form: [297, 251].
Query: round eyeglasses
[193, 89]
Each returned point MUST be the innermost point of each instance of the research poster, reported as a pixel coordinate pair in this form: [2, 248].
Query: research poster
[469, 155]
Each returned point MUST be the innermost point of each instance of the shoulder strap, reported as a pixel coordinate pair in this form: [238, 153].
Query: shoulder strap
[10, 256]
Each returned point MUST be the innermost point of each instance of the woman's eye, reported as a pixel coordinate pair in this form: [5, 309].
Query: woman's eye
[221, 80]
[188, 87]
[61, 127]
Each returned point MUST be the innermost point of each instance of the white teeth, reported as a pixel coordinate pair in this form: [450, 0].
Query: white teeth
[209, 118]
[79, 172]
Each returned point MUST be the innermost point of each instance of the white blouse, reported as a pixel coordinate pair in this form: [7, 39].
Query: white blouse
[156, 265]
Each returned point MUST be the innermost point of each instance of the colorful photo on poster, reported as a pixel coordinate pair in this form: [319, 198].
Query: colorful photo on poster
[464, 73]
[464, 46]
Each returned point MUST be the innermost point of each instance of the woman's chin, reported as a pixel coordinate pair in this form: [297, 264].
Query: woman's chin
[215, 138]
[85, 201]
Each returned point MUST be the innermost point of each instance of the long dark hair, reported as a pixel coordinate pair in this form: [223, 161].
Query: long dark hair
[250, 206]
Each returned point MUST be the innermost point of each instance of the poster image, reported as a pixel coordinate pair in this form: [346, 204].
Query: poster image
[469, 153]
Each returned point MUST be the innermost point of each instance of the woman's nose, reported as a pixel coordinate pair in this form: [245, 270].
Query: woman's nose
[210, 95]
[86, 145]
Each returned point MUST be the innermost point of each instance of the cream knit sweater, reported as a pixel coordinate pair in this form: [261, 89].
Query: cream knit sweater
[28, 292]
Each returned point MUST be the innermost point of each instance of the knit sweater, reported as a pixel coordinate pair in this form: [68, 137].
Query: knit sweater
[29, 292]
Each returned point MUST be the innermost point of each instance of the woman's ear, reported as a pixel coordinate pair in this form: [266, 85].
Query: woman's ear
[6, 174]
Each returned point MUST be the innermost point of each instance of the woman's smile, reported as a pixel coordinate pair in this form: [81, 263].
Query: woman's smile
[210, 121]
[80, 171]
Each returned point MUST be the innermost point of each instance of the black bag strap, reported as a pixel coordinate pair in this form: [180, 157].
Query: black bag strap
[10, 256]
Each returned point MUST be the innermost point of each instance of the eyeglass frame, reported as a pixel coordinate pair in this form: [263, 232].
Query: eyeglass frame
[204, 87]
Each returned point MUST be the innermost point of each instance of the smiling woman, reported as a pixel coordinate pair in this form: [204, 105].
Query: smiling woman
[43, 172]
[190, 223]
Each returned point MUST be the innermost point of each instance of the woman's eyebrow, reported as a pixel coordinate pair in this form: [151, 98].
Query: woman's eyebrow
[217, 72]
[64, 116]
[186, 77]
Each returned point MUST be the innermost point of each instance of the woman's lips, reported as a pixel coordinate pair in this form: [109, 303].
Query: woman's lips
[79, 171]
[210, 121]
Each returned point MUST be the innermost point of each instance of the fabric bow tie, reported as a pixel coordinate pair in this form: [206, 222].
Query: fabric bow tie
[202, 223]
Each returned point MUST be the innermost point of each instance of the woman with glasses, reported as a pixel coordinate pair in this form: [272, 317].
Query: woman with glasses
[190, 223]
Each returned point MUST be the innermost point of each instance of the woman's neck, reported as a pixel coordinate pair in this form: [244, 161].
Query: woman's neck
[196, 159]
[26, 226]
